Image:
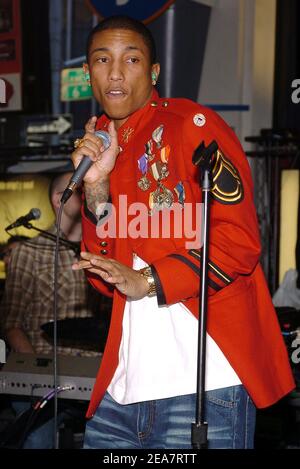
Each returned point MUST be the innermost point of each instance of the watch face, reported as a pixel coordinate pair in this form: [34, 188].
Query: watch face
[147, 274]
[152, 290]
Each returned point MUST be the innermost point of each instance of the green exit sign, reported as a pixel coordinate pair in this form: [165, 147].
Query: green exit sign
[74, 86]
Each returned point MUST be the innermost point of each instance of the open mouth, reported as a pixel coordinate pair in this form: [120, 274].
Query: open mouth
[115, 94]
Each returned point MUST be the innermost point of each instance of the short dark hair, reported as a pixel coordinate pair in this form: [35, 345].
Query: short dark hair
[124, 22]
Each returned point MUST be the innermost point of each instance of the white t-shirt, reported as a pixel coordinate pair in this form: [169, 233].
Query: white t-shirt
[158, 353]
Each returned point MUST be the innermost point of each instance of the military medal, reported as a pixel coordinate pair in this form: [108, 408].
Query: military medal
[164, 171]
[180, 192]
[164, 154]
[143, 164]
[167, 198]
[157, 135]
[161, 198]
[149, 149]
[151, 202]
[159, 170]
[156, 170]
[144, 182]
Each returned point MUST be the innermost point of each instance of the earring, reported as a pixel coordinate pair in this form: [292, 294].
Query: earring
[87, 76]
[154, 78]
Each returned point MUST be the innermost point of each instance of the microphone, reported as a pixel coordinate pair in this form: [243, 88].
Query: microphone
[34, 214]
[84, 166]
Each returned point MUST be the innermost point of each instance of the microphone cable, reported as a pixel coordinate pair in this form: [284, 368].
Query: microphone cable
[37, 408]
[76, 179]
[55, 316]
[31, 415]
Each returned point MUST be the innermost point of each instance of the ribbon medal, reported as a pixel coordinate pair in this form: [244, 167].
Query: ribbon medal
[149, 150]
[157, 135]
[165, 153]
[179, 191]
[159, 170]
[144, 182]
[161, 198]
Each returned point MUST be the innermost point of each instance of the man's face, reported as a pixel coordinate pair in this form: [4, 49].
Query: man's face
[120, 72]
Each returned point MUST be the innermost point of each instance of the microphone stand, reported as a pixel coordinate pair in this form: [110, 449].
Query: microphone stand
[203, 157]
[57, 239]
[52, 236]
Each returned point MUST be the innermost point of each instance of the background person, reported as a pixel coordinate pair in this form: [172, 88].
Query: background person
[27, 302]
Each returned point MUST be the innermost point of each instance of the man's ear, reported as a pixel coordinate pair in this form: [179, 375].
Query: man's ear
[86, 72]
[155, 69]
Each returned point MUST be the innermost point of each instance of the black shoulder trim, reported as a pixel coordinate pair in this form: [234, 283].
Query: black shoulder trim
[161, 298]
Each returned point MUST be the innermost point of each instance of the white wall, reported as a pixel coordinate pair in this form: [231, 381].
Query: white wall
[239, 62]
[263, 63]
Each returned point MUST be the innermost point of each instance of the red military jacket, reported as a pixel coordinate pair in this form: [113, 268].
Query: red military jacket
[155, 169]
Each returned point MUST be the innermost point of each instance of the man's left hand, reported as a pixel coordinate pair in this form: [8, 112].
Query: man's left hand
[128, 281]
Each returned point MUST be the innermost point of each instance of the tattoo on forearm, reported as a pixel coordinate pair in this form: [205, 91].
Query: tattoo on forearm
[96, 196]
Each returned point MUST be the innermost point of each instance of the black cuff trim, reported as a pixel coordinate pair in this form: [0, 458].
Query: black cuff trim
[213, 284]
[89, 214]
[161, 298]
[212, 267]
[186, 262]
[196, 269]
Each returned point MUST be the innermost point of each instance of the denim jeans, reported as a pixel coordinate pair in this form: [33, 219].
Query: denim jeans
[166, 423]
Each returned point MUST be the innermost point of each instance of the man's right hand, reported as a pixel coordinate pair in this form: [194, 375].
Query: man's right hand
[92, 146]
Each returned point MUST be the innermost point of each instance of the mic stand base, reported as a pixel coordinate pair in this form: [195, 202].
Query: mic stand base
[199, 435]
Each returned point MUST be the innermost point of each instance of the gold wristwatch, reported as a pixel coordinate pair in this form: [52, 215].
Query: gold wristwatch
[146, 272]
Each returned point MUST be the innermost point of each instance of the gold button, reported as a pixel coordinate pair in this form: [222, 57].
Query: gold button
[154, 104]
[165, 104]
[103, 243]
[103, 251]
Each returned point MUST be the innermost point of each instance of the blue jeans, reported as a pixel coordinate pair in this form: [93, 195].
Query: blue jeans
[166, 423]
